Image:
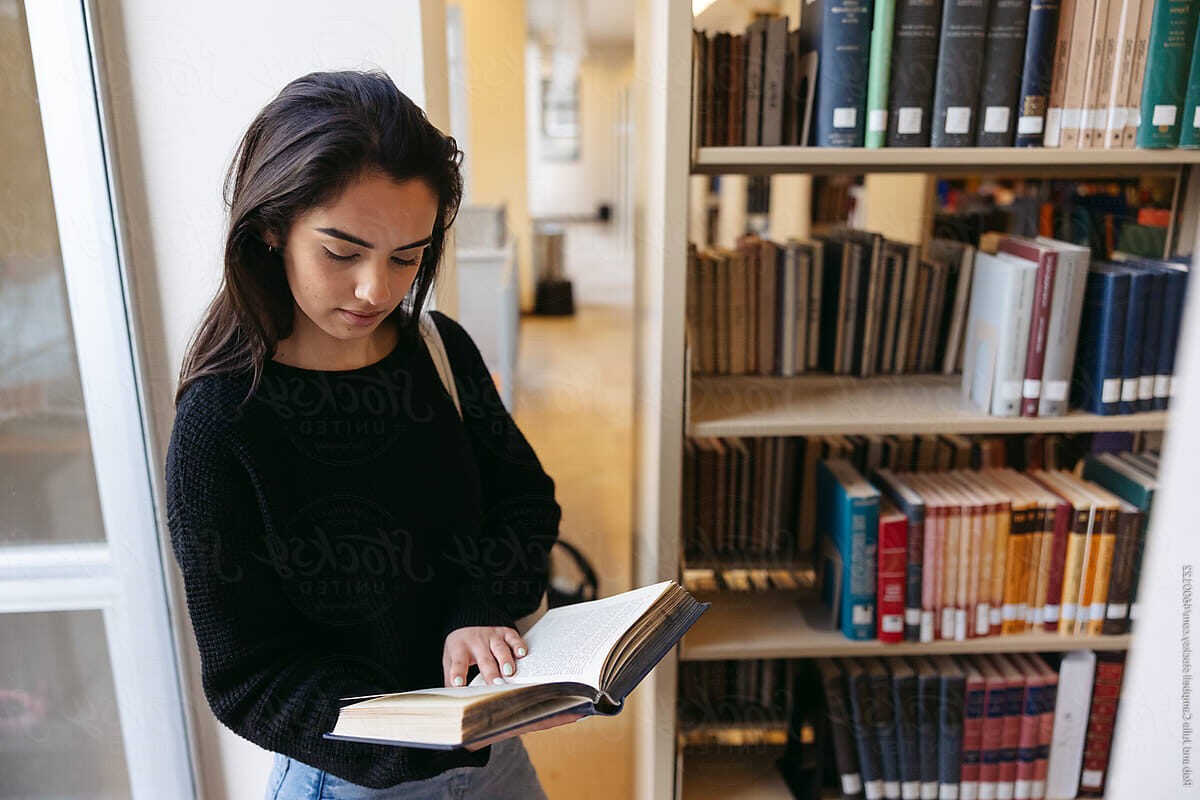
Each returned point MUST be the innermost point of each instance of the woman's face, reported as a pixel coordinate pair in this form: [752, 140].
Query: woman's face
[351, 262]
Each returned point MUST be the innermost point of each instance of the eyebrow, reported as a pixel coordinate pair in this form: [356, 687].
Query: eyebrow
[352, 239]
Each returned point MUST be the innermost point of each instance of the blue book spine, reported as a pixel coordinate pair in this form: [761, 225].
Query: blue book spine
[1101, 339]
[1049, 698]
[885, 730]
[842, 72]
[995, 711]
[1151, 336]
[975, 710]
[858, 592]
[1014, 697]
[1033, 707]
[1037, 73]
[1168, 339]
[950, 734]
[906, 699]
[862, 704]
[928, 703]
[1131, 351]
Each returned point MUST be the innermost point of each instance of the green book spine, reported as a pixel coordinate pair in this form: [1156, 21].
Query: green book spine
[1189, 133]
[880, 71]
[1172, 37]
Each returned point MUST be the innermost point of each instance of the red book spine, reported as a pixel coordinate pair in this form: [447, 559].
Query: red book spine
[1014, 692]
[1035, 352]
[893, 568]
[1031, 724]
[993, 739]
[1101, 720]
[1064, 513]
[972, 737]
[1045, 733]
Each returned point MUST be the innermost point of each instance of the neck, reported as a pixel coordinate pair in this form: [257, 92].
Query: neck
[309, 347]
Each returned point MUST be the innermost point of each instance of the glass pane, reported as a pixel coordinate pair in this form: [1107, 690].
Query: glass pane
[47, 481]
[60, 736]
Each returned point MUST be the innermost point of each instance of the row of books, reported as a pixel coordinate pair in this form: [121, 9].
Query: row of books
[1019, 726]
[754, 498]
[1046, 328]
[960, 554]
[750, 694]
[910, 73]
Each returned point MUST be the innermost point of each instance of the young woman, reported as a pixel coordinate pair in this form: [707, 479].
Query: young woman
[340, 528]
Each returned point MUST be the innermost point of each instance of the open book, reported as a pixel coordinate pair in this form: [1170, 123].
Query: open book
[583, 658]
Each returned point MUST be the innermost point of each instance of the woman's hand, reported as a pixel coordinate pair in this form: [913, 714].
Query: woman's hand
[540, 725]
[491, 647]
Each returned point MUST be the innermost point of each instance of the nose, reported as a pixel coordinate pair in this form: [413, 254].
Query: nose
[372, 283]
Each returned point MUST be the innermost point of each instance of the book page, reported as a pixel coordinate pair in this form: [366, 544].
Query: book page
[570, 643]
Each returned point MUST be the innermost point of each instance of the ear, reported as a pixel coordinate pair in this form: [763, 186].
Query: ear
[273, 239]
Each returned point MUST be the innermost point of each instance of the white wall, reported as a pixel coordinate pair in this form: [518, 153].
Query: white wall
[558, 188]
[183, 81]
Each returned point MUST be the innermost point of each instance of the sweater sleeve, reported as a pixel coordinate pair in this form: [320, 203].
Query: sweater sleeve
[520, 515]
[262, 674]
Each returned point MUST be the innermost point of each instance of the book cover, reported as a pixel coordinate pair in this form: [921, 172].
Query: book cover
[1168, 61]
[1000, 85]
[959, 65]
[1075, 91]
[1168, 340]
[1106, 689]
[880, 65]
[755, 36]
[951, 707]
[844, 42]
[1122, 66]
[907, 710]
[1062, 328]
[1097, 381]
[1088, 124]
[928, 720]
[1189, 134]
[917, 25]
[1052, 136]
[1037, 72]
[1151, 338]
[893, 566]
[864, 713]
[1133, 347]
[973, 721]
[1046, 259]
[848, 518]
[774, 62]
[841, 729]
[992, 737]
[912, 506]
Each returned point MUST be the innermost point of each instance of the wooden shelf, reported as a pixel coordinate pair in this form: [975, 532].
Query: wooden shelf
[940, 161]
[767, 625]
[842, 404]
[733, 776]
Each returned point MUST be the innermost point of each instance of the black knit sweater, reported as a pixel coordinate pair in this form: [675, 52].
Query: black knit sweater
[335, 528]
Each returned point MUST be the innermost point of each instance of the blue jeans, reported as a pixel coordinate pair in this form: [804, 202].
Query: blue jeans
[509, 775]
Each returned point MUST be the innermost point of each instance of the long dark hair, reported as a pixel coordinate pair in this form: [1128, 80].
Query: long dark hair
[320, 133]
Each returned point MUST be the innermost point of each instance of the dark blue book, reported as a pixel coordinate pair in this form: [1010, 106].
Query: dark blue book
[1098, 361]
[1172, 318]
[862, 710]
[952, 700]
[844, 47]
[841, 729]
[917, 28]
[908, 748]
[928, 703]
[1037, 73]
[1151, 337]
[848, 530]
[883, 720]
[1135, 325]
[960, 62]
[912, 506]
[1001, 84]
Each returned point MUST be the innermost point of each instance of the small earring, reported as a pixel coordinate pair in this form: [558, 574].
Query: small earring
[271, 249]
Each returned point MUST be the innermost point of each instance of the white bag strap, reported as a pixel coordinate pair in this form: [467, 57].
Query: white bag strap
[437, 351]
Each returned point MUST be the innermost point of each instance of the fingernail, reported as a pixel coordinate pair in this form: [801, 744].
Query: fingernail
[507, 669]
[458, 680]
[520, 651]
[498, 681]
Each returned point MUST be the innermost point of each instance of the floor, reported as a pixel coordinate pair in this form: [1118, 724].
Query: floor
[574, 404]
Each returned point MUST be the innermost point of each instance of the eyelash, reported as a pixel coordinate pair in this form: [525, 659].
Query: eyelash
[335, 257]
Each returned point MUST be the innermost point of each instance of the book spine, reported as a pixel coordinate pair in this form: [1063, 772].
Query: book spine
[1118, 103]
[1063, 518]
[842, 729]
[1000, 85]
[1103, 575]
[1189, 134]
[858, 590]
[736, 125]
[1095, 68]
[1058, 80]
[914, 60]
[1035, 353]
[931, 577]
[880, 69]
[914, 576]
[755, 32]
[1120, 587]
[1000, 546]
[1018, 532]
[1038, 72]
[1098, 368]
[1072, 703]
[1045, 732]
[1151, 334]
[1101, 720]
[928, 719]
[1062, 333]
[893, 556]
[906, 699]
[1014, 694]
[1108, 65]
[1027, 743]
[1141, 47]
[802, 281]
[1169, 337]
[1075, 91]
[993, 740]
[1014, 344]
[972, 740]
[862, 702]
[785, 313]
[1073, 571]
[1131, 351]
[960, 61]
[1164, 87]
[951, 708]
[884, 721]
[774, 60]
[842, 76]
[951, 549]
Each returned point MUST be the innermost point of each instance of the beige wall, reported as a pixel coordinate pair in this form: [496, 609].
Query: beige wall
[494, 45]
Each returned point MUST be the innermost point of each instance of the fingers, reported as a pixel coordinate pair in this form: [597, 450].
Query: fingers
[504, 656]
[489, 668]
[514, 640]
[455, 664]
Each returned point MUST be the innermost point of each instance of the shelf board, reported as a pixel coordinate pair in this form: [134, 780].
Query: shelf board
[733, 776]
[769, 626]
[843, 404]
[942, 161]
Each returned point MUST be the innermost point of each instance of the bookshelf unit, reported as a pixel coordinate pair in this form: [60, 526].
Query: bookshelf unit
[669, 404]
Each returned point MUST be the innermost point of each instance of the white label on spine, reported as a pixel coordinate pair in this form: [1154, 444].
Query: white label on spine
[909, 120]
[1029, 125]
[987, 790]
[1162, 385]
[1117, 610]
[1129, 388]
[1068, 611]
[1055, 390]
[1111, 390]
[1021, 789]
[947, 623]
[1021, 609]
[1091, 778]
[1146, 382]
[877, 119]
[891, 623]
[1053, 127]
[1009, 612]
[1097, 611]
[1072, 118]
[926, 626]
[948, 791]
[1031, 389]
[1083, 612]
[981, 620]
[1004, 791]
[995, 119]
[960, 626]
[1119, 116]
[958, 119]
[891, 788]
[1051, 613]
[1010, 390]
[910, 790]
[844, 117]
[1031, 615]
[1196, 118]
[968, 790]
[912, 616]
[1135, 116]
[861, 614]
[851, 783]
[873, 790]
[929, 791]
[1163, 115]
[1101, 118]
[1038, 791]
[994, 616]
